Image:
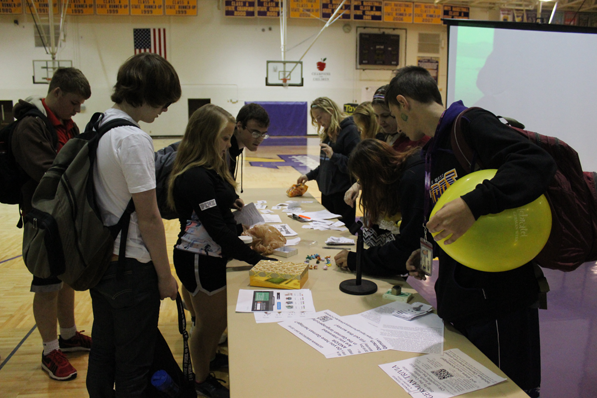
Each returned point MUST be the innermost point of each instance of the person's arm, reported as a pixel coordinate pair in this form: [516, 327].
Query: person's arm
[348, 139]
[151, 227]
[200, 189]
[352, 194]
[524, 172]
[32, 147]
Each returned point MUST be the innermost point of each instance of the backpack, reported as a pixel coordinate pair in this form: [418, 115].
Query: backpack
[64, 235]
[164, 160]
[164, 360]
[11, 174]
[572, 196]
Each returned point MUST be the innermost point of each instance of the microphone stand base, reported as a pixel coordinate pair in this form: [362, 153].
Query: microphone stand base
[350, 286]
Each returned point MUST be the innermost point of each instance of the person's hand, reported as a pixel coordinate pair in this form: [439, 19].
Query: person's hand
[302, 179]
[455, 218]
[238, 204]
[168, 287]
[341, 260]
[327, 150]
[413, 265]
[352, 194]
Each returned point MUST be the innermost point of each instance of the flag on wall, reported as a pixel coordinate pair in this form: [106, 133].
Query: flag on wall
[150, 41]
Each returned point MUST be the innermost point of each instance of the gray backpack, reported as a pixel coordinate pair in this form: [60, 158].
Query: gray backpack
[64, 234]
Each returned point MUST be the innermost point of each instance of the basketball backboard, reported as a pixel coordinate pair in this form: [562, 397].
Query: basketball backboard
[284, 73]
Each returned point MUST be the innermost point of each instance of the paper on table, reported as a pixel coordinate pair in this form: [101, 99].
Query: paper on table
[248, 215]
[284, 229]
[441, 376]
[281, 316]
[414, 310]
[271, 218]
[300, 300]
[424, 335]
[335, 337]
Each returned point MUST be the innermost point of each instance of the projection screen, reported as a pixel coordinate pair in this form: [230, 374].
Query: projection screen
[545, 76]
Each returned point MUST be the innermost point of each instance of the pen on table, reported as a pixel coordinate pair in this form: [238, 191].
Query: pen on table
[335, 248]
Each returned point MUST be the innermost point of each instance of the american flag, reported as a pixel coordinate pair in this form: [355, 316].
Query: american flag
[150, 41]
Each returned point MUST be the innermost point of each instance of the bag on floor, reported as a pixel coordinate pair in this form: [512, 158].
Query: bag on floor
[64, 235]
[572, 196]
[163, 360]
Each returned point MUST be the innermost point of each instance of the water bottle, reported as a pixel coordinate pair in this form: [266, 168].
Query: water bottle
[162, 381]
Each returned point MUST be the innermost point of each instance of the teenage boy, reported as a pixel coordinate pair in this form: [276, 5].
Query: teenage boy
[252, 123]
[126, 302]
[496, 311]
[35, 146]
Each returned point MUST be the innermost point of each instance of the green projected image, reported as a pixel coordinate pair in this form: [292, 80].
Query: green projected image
[474, 46]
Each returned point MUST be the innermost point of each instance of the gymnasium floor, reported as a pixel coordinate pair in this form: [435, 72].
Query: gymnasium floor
[569, 327]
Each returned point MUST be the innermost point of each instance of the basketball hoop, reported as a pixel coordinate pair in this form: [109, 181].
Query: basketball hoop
[285, 81]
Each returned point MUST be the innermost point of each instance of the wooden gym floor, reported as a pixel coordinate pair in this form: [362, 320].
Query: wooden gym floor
[20, 342]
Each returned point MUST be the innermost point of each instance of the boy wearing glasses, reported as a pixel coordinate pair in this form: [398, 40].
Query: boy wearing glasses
[252, 123]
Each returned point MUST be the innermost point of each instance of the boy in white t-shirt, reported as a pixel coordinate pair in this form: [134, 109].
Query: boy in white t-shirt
[126, 302]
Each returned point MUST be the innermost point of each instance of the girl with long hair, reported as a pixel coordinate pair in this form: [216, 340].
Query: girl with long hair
[202, 191]
[366, 120]
[339, 135]
[393, 194]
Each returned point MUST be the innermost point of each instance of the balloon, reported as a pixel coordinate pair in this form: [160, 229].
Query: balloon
[498, 242]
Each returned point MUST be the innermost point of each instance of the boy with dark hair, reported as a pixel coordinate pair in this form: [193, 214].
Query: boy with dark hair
[126, 301]
[252, 123]
[35, 144]
[496, 311]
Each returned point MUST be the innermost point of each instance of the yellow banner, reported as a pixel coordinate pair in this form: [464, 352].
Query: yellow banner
[112, 7]
[147, 7]
[41, 6]
[11, 7]
[394, 11]
[367, 10]
[181, 7]
[305, 9]
[329, 6]
[80, 7]
[428, 13]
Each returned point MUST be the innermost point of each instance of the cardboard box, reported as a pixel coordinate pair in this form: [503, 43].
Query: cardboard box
[279, 274]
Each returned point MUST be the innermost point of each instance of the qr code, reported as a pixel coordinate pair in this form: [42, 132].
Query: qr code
[324, 318]
[442, 374]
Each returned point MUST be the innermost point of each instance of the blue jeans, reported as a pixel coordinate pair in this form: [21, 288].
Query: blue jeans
[125, 309]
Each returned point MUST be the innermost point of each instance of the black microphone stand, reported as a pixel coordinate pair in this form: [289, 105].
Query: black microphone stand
[358, 286]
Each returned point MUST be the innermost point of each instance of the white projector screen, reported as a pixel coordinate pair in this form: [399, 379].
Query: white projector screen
[545, 76]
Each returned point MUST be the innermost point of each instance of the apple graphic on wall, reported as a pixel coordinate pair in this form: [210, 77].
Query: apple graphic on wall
[321, 64]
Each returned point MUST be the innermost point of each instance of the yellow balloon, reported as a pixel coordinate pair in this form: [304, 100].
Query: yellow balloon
[498, 242]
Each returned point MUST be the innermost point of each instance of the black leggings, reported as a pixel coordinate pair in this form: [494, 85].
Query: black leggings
[336, 204]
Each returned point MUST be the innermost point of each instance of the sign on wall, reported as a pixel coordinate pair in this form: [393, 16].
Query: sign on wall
[428, 13]
[456, 12]
[395, 11]
[181, 7]
[367, 10]
[268, 9]
[305, 9]
[112, 7]
[80, 7]
[147, 7]
[10, 7]
[245, 8]
[329, 6]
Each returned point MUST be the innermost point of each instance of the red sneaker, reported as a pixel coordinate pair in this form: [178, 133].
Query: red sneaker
[79, 342]
[57, 366]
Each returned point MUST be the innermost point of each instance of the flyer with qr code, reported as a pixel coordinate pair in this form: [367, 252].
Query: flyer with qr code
[334, 336]
[441, 376]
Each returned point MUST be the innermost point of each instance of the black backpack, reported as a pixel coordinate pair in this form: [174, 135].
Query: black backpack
[164, 160]
[572, 196]
[64, 233]
[12, 176]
